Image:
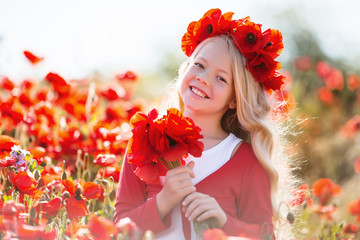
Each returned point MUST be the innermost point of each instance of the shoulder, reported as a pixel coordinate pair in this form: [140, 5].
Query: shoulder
[246, 156]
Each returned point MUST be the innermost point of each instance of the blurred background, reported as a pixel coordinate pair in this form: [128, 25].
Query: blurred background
[99, 39]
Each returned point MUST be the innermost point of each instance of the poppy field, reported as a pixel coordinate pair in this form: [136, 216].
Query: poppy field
[62, 144]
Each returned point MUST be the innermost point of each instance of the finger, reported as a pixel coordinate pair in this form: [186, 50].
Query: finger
[180, 170]
[201, 209]
[192, 197]
[187, 190]
[198, 205]
[185, 183]
[207, 214]
[191, 166]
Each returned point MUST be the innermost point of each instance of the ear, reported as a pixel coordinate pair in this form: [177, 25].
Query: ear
[232, 104]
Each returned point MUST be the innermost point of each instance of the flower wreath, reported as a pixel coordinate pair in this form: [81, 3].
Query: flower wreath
[260, 48]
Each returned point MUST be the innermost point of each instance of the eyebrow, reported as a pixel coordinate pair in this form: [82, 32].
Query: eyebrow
[218, 69]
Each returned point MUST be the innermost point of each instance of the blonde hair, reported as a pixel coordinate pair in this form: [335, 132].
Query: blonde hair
[251, 120]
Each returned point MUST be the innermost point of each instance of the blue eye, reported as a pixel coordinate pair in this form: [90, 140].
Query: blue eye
[221, 79]
[199, 65]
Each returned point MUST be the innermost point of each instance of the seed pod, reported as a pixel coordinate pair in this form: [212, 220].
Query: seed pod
[290, 217]
[64, 176]
[32, 213]
[86, 175]
[112, 195]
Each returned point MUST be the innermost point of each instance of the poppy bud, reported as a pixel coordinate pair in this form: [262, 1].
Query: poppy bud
[290, 217]
[64, 176]
[148, 235]
[112, 195]
[32, 213]
[267, 237]
[65, 195]
[86, 175]
[37, 175]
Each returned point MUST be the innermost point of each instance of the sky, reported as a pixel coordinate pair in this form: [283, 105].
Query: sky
[77, 37]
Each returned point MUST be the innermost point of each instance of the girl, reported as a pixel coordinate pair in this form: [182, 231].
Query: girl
[223, 87]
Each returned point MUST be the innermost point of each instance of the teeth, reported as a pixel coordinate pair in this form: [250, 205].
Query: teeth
[197, 92]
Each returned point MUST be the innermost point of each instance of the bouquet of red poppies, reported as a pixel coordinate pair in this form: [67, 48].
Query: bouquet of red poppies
[159, 144]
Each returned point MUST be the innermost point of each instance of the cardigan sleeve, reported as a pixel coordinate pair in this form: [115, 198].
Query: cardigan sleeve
[131, 202]
[254, 205]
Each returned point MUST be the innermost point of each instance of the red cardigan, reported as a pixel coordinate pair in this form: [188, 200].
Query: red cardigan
[241, 187]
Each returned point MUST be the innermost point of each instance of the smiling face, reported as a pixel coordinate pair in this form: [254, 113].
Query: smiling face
[207, 84]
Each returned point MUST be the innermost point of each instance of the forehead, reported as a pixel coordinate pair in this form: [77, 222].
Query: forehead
[217, 53]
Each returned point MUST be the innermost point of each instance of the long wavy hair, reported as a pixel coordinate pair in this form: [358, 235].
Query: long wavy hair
[250, 120]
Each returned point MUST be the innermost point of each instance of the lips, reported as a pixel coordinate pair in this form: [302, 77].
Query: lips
[198, 92]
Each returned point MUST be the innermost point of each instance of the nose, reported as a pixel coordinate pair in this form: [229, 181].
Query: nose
[202, 78]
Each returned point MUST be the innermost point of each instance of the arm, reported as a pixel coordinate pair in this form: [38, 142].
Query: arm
[131, 202]
[151, 214]
[254, 206]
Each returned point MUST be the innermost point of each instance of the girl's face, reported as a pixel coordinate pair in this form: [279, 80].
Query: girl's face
[207, 85]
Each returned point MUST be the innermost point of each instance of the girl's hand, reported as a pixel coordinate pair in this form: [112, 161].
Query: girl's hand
[199, 206]
[178, 184]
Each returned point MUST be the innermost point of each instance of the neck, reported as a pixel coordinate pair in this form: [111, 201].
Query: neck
[211, 129]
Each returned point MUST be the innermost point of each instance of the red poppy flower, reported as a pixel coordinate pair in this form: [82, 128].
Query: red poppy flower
[128, 75]
[13, 109]
[323, 69]
[32, 58]
[182, 136]
[51, 208]
[25, 184]
[73, 227]
[354, 208]
[113, 92]
[350, 228]
[326, 96]
[105, 160]
[351, 127]
[7, 84]
[37, 152]
[199, 30]
[335, 80]
[300, 195]
[7, 161]
[263, 66]
[7, 142]
[25, 231]
[214, 234]
[326, 212]
[101, 228]
[353, 82]
[89, 190]
[167, 140]
[324, 189]
[274, 82]
[274, 45]
[76, 207]
[248, 37]
[58, 83]
[139, 148]
[107, 172]
[303, 63]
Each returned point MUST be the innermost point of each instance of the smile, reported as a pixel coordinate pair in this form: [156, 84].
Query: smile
[198, 92]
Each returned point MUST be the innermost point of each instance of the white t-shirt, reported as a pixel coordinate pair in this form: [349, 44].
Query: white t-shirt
[210, 161]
